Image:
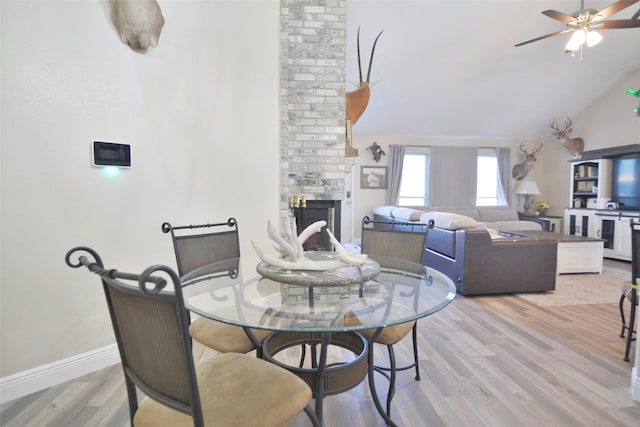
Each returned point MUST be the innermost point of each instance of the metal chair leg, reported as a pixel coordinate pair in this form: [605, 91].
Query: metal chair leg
[624, 322]
[303, 355]
[392, 378]
[632, 319]
[414, 335]
[311, 414]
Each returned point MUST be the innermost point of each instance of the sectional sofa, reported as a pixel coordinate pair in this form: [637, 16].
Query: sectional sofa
[465, 244]
[493, 218]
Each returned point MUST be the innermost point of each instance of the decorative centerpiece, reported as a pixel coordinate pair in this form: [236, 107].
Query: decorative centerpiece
[295, 266]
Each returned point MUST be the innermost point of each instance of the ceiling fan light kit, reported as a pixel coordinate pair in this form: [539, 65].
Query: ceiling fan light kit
[593, 38]
[580, 37]
[575, 42]
[583, 23]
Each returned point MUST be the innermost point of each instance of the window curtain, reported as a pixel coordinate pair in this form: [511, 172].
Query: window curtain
[503, 156]
[453, 177]
[396, 161]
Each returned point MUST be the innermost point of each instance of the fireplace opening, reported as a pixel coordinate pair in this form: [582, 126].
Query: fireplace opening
[319, 210]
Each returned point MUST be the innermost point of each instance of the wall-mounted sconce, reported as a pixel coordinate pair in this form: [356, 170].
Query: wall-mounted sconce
[377, 151]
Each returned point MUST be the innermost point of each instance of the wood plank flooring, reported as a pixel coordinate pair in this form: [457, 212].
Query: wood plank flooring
[485, 361]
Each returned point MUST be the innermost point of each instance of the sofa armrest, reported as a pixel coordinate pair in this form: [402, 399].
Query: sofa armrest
[518, 264]
[545, 223]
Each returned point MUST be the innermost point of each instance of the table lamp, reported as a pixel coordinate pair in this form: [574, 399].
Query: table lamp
[527, 189]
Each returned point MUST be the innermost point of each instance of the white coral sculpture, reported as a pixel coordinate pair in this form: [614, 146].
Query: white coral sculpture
[291, 254]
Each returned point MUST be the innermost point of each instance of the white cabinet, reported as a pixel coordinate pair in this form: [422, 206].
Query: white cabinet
[614, 227]
[580, 222]
[622, 239]
[590, 179]
[590, 191]
[555, 223]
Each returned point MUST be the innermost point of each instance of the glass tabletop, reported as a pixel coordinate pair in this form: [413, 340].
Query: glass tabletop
[233, 292]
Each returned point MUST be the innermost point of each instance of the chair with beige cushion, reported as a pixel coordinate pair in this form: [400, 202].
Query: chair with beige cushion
[150, 323]
[196, 246]
[630, 293]
[380, 240]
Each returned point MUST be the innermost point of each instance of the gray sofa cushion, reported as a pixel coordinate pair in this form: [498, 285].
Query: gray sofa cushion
[449, 221]
[497, 214]
[406, 214]
[459, 217]
[471, 212]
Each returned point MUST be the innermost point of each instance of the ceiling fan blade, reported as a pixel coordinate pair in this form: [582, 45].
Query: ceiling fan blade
[616, 23]
[562, 17]
[615, 8]
[636, 15]
[545, 36]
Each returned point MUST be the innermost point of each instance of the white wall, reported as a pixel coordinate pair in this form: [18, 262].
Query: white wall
[201, 114]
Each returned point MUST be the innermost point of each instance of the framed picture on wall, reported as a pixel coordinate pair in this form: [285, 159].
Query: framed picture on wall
[373, 177]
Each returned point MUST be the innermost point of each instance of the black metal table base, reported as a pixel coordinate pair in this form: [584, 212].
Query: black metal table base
[372, 383]
[324, 379]
[329, 379]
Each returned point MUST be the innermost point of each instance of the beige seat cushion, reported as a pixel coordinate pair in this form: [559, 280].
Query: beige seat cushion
[223, 337]
[391, 334]
[236, 390]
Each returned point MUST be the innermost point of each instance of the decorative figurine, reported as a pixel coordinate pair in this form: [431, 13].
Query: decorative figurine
[292, 255]
[377, 151]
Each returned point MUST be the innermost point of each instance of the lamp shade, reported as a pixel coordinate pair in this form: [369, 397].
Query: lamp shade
[593, 38]
[576, 40]
[527, 187]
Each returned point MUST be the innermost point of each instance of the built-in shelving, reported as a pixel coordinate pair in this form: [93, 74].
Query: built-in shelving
[590, 180]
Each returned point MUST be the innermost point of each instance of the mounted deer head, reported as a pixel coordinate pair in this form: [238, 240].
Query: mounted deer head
[377, 151]
[574, 145]
[521, 170]
[138, 22]
[357, 100]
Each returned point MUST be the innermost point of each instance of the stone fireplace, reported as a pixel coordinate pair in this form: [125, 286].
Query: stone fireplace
[313, 163]
[319, 210]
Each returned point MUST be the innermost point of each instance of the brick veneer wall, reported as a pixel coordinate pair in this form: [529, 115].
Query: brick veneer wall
[312, 101]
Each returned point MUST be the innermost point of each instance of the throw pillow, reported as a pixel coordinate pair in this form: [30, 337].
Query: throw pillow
[449, 221]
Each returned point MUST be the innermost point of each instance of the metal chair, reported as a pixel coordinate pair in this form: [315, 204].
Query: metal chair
[196, 246]
[406, 241]
[629, 291]
[150, 323]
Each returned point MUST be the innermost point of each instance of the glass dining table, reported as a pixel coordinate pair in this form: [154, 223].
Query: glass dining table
[318, 310]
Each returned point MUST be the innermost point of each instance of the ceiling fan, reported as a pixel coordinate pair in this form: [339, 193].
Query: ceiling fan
[585, 22]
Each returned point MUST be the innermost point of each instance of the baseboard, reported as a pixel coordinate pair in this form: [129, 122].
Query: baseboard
[23, 383]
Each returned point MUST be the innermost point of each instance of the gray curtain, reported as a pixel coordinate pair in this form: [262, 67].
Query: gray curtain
[456, 169]
[503, 155]
[396, 161]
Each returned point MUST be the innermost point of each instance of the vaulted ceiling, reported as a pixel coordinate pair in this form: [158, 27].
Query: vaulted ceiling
[450, 68]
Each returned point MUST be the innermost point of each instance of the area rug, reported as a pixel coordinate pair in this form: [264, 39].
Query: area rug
[577, 289]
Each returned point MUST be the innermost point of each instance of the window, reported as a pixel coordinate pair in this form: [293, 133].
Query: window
[487, 185]
[414, 187]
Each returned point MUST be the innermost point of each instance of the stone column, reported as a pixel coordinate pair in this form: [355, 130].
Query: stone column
[312, 101]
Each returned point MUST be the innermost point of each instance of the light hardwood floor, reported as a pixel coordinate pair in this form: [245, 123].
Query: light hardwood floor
[485, 361]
